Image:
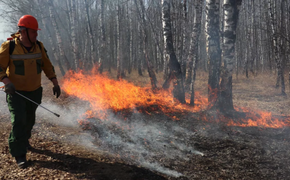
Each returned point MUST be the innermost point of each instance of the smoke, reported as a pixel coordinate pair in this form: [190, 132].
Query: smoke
[3, 104]
[68, 115]
[142, 142]
[139, 140]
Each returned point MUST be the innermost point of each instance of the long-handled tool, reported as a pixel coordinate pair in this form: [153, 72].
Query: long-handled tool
[36, 103]
[33, 102]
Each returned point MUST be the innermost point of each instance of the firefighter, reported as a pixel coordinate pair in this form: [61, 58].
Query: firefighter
[22, 59]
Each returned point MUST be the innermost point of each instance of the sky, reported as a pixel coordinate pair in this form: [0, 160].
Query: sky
[4, 28]
[4, 32]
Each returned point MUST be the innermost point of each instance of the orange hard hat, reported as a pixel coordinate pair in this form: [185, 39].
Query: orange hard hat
[28, 21]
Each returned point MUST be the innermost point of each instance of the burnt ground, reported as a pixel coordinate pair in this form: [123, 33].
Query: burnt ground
[160, 148]
[51, 159]
[207, 150]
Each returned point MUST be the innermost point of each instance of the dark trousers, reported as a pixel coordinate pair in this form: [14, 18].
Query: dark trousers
[22, 112]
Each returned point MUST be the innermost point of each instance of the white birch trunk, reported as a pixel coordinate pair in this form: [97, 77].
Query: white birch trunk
[73, 35]
[174, 66]
[230, 22]
[91, 36]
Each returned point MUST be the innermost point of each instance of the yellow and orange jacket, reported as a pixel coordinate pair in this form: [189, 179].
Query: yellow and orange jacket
[24, 68]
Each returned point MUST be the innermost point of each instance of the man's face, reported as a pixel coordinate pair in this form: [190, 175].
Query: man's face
[31, 33]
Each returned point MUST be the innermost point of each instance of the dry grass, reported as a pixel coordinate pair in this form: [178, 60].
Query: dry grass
[135, 78]
[260, 93]
[254, 92]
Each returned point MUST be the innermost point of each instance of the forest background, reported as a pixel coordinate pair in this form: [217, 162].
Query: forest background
[172, 37]
[235, 52]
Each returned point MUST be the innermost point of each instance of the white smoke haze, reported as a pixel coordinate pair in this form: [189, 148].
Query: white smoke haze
[3, 104]
[68, 115]
[142, 143]
[137, 141]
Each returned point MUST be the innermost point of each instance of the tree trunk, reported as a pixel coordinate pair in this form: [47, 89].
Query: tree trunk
[140, 59]
[103, 39]
[174, 66]
[230, 24]
[275, 39]
[194, 46]
[57, 33]
[119, 64]
[73, 35]
[91, 36]
[214, 50]
[56, 57]
[150, 68]
[282, 46]
[185, 39]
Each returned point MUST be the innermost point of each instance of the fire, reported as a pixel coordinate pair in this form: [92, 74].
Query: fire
[105, 95]
[260, 119]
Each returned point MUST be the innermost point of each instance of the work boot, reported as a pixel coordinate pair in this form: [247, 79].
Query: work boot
[21, 161]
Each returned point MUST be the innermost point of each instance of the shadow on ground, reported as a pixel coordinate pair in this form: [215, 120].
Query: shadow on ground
[91, 169]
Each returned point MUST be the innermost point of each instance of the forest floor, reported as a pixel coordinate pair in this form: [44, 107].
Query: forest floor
[153, 146]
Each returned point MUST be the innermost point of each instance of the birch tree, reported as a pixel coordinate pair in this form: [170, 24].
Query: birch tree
[214, 50]
[193, 56]
[103, 38]
[120, 68]
[91, 35]
[230, 24]
[175, 73]
[145, 33]
[73, 34]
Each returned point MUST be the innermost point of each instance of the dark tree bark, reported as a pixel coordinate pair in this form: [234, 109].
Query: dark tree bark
[150, 68]
[175, 74]
[194, 47]
[214, 50]
[91, 35]
[103, 53]
[276, 40]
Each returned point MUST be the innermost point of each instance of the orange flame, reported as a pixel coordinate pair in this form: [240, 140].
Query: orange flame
[260, 119]
[105, 94]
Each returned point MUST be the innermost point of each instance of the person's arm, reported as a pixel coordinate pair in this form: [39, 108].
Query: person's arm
[9, 87]
[47, 66]
[49, 72]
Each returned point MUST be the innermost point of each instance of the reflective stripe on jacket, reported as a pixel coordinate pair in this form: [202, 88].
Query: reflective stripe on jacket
[24, 68]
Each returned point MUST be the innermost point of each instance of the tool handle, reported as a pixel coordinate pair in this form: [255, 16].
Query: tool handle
[37, 104]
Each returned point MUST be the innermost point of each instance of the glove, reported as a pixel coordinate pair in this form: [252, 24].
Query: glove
[56, 91]
[9, 88]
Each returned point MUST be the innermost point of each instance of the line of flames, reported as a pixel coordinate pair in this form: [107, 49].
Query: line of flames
[106, 94]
